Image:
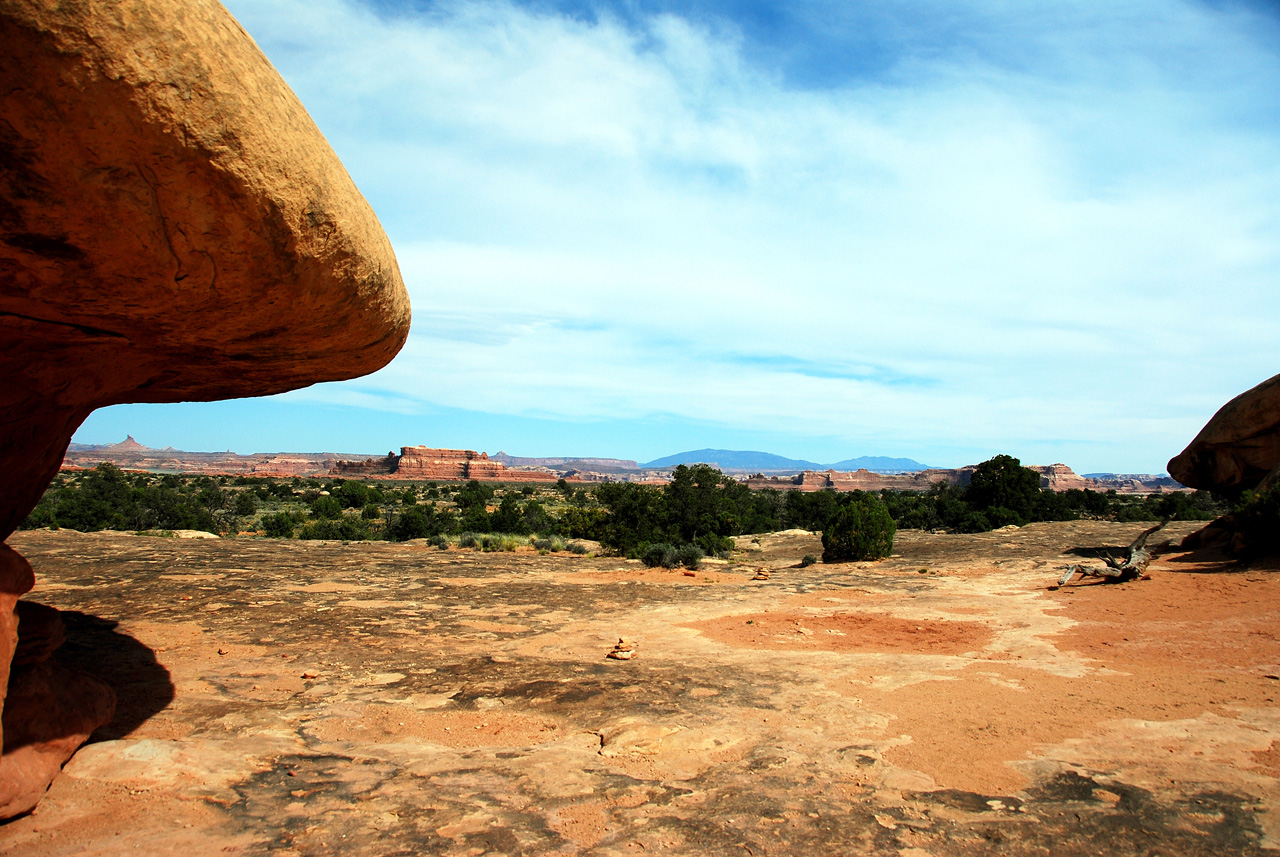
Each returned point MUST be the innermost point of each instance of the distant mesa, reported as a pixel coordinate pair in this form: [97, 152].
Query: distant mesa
[421, 462]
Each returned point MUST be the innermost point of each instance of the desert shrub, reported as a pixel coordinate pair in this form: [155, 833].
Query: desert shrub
[278, 526]
[690, 556]
[713, 545]
[636, 516]
[543, 544]
[861, 529]
[439, 542]
[1257, 522]
[1197, 506]
[578, 548]
[974, 522]
[475, 519]
[808, 560]
[660, 554]
[371, 512]
[536, 519]
[509, 517]
[212, 497]
[417, 522]
[498, 542]
[326, 508]
[804, 510]
[246, 503]
[468, 540]
[1001, 516]
[583, 523]
[351, 495]
[346, 529]
[105, 498]
[474, 493]
[1002, 482]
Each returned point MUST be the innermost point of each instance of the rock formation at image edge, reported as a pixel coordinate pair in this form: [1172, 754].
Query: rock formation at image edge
[173, 227]
[1237, 450]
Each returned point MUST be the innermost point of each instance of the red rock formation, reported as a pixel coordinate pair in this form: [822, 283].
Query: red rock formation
[1239, 447]
[172, 227]
[51, 710]
[139, 457]
[444, 465]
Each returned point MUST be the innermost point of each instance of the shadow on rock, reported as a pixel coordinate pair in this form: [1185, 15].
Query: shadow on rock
[142, 685]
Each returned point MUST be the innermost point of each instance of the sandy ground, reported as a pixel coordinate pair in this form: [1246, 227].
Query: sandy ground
[321, 698]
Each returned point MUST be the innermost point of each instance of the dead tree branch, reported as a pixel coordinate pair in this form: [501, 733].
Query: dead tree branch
[1130, 566]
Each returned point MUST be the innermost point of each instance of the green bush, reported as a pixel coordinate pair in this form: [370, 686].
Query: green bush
[1002, 482]
[417, 522]
[246, 503]
[808, 560]
[371, 512]
[499, 542]
[278, 526]
[346, 529]
[660, 554]
[861, 529]
[326, 508]
[690, 556]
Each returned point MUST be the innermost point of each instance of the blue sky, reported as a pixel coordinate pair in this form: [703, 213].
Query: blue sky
[941, 230]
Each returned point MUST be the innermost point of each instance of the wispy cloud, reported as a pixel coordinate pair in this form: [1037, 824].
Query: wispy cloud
[879, 222]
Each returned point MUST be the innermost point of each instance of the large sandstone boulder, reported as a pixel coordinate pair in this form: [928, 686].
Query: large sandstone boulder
[1239, 448]
[172, 227]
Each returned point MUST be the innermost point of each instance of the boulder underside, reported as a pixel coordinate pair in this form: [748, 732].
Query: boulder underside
[173, 227]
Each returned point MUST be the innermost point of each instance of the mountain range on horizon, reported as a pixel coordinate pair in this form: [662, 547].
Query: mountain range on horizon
[726, 459]
[732, 459]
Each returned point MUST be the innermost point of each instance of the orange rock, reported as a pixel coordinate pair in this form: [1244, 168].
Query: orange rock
[173, 227]
[1239, 447]
[420, 462]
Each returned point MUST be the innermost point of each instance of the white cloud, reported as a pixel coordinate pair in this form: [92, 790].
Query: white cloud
[1066, 227]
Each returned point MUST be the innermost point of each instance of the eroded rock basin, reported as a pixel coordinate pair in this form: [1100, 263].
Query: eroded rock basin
[317, 698]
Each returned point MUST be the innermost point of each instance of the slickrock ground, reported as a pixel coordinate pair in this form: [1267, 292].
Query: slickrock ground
[318, 698]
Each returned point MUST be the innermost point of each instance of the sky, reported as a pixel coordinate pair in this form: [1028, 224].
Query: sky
[936, 230]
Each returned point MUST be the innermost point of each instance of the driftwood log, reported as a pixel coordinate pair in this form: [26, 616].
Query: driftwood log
[1130, 566]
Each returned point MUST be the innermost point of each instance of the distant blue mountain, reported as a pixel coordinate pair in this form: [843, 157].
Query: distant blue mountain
[879, 463]
[733, 459]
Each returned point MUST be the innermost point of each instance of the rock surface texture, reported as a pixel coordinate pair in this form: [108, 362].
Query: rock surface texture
[1239, 448]
[392, 698]
[173, 227]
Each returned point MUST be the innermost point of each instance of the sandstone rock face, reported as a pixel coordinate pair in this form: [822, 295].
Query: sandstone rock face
[173, 227]
[1239, 447]
[420, 462]
[50, 710]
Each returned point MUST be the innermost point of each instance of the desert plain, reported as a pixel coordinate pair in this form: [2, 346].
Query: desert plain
[287, 697]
